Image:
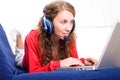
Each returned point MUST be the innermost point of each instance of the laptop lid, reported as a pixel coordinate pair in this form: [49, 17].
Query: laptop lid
[110, 58]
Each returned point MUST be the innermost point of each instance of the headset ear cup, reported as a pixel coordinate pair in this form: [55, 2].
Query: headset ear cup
[48, 26]
[73, 26]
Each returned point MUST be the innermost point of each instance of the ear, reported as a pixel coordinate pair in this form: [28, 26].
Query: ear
[47, 24]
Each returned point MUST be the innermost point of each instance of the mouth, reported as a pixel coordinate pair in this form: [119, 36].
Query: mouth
[66, 34]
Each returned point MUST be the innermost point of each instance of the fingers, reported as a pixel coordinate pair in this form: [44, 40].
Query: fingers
[76, 62]
[90, 61]
[70, 62]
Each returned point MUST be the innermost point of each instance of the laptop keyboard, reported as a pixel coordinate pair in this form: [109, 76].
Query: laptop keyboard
[77, 68]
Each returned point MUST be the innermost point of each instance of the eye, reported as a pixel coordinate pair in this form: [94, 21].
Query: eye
[63, 22]
[72, 22]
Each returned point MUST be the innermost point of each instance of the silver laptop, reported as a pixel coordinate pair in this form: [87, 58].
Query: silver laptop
[110, 58]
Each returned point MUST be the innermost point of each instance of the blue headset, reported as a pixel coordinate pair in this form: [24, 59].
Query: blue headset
[48, 26]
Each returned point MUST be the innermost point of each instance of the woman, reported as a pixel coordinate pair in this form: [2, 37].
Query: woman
[53, 43]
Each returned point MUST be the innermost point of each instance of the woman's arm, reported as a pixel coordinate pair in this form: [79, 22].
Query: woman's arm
[32, 56]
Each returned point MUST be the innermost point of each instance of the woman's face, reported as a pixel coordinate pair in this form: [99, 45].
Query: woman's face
[63, 23]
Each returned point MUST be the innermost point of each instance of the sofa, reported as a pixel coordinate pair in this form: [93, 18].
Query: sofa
[9, 71]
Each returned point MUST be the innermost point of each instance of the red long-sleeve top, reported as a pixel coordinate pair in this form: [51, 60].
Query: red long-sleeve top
[31, 60]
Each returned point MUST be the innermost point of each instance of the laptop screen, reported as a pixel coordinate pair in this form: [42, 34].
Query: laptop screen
[110, 57]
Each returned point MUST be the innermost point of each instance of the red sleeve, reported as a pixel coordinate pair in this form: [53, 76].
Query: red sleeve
[31, 60]
[74, 52]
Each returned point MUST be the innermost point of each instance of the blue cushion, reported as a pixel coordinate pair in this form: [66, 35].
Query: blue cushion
[7, 60]
[105, 74]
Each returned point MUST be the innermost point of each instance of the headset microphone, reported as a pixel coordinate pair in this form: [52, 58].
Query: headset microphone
[66, 38]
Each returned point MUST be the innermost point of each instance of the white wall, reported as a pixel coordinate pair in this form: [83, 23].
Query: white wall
[94, 19]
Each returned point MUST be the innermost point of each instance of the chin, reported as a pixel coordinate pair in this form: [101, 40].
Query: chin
[62, 38]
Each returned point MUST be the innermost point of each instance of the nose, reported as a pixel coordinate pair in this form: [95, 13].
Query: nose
[68, 27]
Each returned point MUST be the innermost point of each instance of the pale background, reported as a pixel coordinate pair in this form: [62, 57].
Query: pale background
[94, 21]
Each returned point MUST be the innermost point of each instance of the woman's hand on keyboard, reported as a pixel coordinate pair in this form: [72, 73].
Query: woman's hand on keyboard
[90, 61]
[70, 62]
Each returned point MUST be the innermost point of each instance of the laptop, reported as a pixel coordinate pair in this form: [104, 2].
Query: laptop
[110, 58]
